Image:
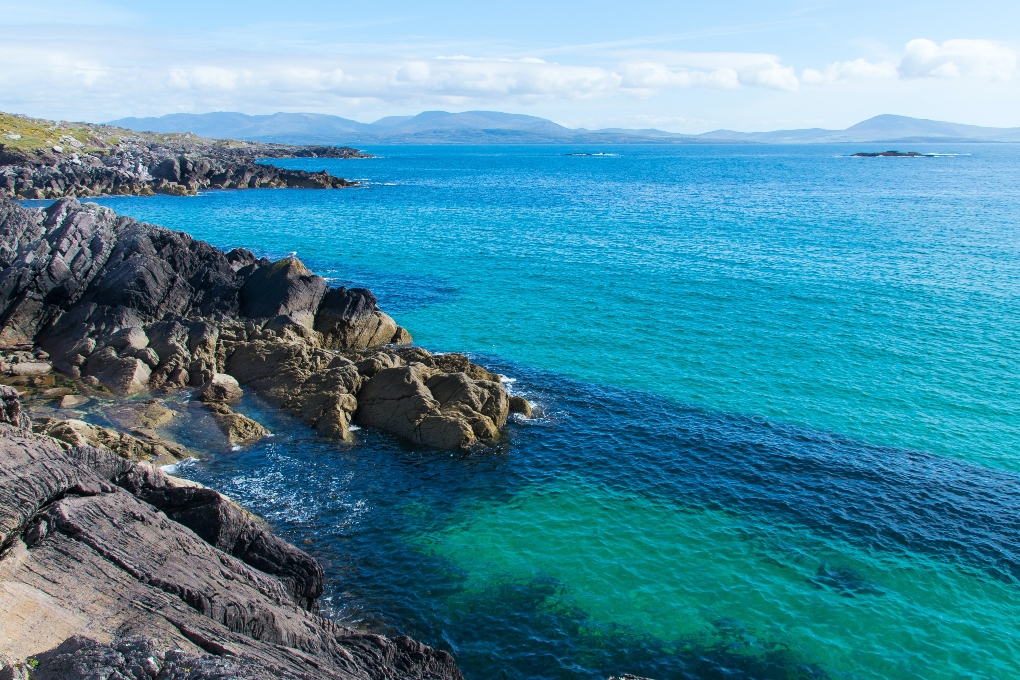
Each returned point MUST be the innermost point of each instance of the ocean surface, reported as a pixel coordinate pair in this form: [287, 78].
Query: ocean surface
[779, 407]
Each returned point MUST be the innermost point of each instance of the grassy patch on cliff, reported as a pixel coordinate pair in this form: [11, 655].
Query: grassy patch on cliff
[38, 134]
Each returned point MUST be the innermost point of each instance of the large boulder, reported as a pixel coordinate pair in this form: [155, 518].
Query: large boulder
[431, 408]
[284, 287]
[122, 375]
[239, 429]
[351, 319]
[222, 388]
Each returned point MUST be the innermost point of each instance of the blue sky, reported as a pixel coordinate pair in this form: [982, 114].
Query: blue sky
[681, 66]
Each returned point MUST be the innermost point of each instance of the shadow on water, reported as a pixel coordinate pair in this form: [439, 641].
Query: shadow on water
[364, 510]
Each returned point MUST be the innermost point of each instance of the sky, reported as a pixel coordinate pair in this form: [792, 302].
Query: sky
[678, 66]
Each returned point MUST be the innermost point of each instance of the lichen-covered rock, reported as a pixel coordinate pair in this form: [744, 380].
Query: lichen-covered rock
[316, 385]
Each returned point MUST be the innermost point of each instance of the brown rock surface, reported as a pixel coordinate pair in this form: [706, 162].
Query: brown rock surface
[140, 445]
[432, 408]
[73, 401]
[221, 388]
[521, 405]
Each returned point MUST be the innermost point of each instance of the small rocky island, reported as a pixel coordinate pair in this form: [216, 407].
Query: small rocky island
[891, 154]
[107, 564]
[42, 159]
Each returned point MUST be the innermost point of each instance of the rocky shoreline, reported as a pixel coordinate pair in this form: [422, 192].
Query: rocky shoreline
[82, 160]
[132, 563]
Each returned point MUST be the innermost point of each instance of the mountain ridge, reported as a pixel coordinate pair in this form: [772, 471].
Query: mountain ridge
[494, 127]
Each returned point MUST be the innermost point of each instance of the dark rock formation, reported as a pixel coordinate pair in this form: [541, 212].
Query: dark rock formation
[284, 288]
[110, 567]
[350, 319]
[137, 307]
[148, 164]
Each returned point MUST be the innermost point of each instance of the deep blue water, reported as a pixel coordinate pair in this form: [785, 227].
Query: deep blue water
[780, 430]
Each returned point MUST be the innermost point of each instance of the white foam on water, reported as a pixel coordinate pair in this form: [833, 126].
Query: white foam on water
[174, 468]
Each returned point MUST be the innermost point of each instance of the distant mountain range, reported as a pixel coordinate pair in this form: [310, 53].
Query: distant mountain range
[492, 127]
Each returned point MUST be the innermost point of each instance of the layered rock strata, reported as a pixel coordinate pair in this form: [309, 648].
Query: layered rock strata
[136, 307]
[110, 568]
[134, 164]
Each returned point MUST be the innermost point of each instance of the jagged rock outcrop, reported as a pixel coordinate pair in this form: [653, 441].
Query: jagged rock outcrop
[284, 288]
[111, 566]
[136, 307]
[10, 408]
[350, 319]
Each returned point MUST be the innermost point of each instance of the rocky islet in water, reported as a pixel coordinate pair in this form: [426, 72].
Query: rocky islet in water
[98, 306]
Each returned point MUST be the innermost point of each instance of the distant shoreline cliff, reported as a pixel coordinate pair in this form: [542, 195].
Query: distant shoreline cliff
[46, 160]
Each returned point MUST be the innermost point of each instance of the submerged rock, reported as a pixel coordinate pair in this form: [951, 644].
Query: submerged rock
[73, 401]
[140, 445]
[239, 429]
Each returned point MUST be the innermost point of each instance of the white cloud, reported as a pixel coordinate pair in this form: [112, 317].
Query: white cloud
[858, 69]
[103, 75]
[980, 59]
[718, 70]
[970, 59]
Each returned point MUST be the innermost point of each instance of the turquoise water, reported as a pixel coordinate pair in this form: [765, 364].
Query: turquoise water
[781, 430]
